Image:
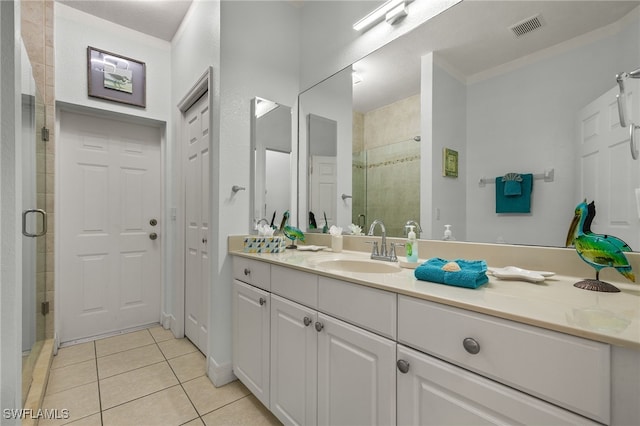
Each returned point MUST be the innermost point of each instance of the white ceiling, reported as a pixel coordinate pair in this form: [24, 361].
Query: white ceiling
[474, 37]
[158, 18]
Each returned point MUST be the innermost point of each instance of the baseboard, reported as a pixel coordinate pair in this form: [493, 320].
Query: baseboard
[220, 374]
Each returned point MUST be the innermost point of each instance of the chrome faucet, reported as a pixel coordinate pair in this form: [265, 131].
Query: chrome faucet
[382, 254]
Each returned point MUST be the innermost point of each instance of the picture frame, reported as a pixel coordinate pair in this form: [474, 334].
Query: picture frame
[116, 78]
[449, 163]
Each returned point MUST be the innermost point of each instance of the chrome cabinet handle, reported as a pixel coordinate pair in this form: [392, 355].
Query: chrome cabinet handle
[471, 345]
[403, 366]
[319, 326]
[153, 222]
[262, 301]
[306, 321]
[43, 214]
[153, 236]
[204, 240]
[247, 271]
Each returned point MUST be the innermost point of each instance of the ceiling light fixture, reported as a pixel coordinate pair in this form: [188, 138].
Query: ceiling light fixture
[392, 11]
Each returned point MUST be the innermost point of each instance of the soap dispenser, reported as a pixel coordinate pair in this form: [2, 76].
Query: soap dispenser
[412, 245]
[448, 235]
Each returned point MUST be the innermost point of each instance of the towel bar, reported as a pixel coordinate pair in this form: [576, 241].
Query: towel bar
[547, 176]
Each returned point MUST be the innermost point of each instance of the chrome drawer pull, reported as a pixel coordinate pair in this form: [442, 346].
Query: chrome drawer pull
[403, 366]
[319, 326]
[306, 321]
[262, 301]
[247, 271]
[471, 345]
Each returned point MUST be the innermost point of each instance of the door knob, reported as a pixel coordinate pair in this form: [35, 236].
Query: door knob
[153, 236]
[403, 366]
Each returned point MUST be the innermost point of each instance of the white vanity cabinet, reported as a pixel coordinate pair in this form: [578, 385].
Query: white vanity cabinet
[251, 333]
[323, 369]
[512, 361]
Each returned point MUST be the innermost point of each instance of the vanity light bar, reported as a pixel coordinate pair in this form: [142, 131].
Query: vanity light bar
[379, 14]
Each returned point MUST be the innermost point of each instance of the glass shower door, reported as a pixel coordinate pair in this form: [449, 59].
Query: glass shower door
[34, 226]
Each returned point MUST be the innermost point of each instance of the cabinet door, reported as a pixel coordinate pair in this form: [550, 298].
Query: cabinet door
[356, 375]
[294, 348]
[434, 392]
[251, 338]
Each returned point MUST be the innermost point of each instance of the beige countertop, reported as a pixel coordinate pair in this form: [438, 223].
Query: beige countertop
[554, 304]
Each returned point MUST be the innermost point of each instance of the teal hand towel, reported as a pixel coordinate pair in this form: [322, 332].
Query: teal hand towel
[512, 188]
[514, 203]
[472, 273]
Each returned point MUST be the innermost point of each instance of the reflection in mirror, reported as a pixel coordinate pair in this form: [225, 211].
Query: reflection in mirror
[271, 161]
[506, 103]
[322, 134]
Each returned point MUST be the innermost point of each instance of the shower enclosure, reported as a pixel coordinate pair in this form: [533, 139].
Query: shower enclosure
[386, 185]
[34, 225]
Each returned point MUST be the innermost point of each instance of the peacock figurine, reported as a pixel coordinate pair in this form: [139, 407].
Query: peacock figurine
[291, 232]
[597, 250]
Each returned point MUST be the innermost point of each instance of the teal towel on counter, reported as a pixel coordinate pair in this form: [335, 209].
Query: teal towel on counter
[514, 203]
[472, 274]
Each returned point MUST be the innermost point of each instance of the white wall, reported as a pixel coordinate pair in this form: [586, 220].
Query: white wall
[75, 30]
[523, 121]
[10, 193]
[249, 59]
[448, 202]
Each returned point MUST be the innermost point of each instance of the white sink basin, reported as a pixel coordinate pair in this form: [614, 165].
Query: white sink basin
[361, 266]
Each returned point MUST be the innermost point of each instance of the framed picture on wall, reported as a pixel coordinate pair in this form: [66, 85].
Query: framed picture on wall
[116, 78]
[449, 163]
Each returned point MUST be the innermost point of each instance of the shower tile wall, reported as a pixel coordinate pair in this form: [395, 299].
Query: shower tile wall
[391, 159]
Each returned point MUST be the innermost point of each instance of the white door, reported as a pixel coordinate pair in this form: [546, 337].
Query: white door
[323, 188]
[356, 375]
[294, 361]
[607, 173]
[250, 330]
[196, 297]
[110, 191]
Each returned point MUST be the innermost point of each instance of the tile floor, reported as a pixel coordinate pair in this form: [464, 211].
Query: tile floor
[145, 377]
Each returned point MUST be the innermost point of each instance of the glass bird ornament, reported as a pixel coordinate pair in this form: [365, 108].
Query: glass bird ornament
[597, 250]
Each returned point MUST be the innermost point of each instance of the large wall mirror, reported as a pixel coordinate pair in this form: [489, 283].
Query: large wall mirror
[271, 161]
[469, 80]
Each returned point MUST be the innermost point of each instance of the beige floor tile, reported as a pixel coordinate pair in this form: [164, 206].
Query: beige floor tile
[189, 366]
[80, 402]
[247, 411]
[132, 359]
[72, 375]
[134, 384]
[160, 334]
[195, 422]
[207, 397]
[73, 354]
[168, 407]
[93, 420]
[176, 347]
[123, 342]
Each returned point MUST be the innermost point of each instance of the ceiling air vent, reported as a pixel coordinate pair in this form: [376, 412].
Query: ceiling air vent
[526, 26]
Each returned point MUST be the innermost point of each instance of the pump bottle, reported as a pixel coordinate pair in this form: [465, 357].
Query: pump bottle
[412, 245]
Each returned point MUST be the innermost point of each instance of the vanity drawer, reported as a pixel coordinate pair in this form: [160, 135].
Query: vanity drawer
[295, 285]
[562, 369]
[252, 272]
[370, 308]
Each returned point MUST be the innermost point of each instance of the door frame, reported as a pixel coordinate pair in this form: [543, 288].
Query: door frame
[165, 228]
[203, 86]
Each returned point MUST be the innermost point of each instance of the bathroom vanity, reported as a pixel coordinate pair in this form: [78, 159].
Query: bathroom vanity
[325, 345]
